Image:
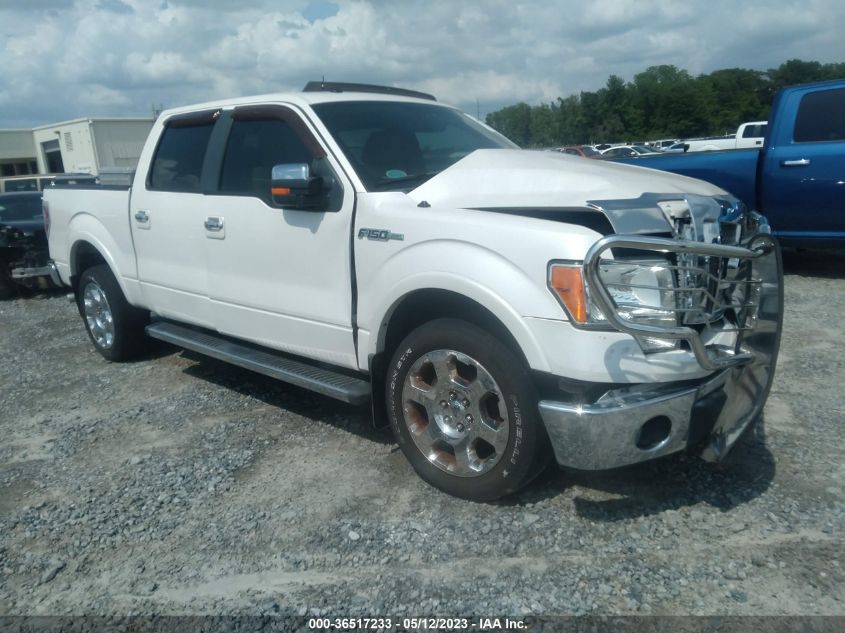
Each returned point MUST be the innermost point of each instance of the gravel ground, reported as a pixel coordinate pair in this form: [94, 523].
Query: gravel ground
[181, 485]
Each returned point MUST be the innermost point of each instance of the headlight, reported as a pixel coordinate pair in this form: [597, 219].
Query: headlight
[643, 291]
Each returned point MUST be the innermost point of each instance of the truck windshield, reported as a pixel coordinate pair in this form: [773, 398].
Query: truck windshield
[396, 146]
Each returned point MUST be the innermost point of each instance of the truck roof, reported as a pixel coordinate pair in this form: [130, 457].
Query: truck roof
[303, 99]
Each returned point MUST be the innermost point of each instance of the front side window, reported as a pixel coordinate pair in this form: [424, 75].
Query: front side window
[253, 148]
[396, 146]
[177, 165]
[821, 117]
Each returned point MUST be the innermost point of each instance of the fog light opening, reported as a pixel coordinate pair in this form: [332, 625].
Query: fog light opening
[654, 433]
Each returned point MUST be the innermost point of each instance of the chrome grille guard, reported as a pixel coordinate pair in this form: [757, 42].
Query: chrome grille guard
[761, 257]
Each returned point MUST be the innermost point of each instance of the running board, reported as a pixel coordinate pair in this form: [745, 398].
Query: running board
[329, 383]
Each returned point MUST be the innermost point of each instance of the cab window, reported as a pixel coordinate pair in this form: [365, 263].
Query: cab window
[821, 117]
[253, 148]
[177, 165]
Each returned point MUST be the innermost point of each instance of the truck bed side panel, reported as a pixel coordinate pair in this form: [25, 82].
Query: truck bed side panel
[734, 171]
[99, 216]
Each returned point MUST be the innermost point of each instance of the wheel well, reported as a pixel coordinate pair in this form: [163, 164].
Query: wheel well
[84, 256]
[422, 306]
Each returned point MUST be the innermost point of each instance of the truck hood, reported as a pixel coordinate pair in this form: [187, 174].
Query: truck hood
[512, 178]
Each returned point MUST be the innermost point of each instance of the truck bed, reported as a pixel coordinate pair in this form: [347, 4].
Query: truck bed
[85, 211]
[733, 170]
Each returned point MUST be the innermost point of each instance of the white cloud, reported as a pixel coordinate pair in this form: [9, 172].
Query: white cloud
[75, 58]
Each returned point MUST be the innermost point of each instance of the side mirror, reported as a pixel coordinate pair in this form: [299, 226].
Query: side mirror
[293, 186]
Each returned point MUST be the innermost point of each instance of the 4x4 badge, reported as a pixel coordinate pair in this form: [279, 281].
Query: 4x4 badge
[380, 235]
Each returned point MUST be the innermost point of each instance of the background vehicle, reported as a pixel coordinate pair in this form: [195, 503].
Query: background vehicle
[622, 151]
[662, 144]
[796, 177]
[11, 184]
[23, 243]
[494, 305]
[580, 150]
[680, 146]
[619, 152]
[749, 134]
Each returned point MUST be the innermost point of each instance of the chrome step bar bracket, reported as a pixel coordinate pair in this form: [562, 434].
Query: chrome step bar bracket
[760, 245]
[324, 381]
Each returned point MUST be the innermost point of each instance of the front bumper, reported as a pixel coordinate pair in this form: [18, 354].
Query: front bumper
[649, 420]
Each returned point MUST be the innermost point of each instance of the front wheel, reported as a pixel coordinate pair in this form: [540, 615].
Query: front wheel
[463, 410]
[115, 327]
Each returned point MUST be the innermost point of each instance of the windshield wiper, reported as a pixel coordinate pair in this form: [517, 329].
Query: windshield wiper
[413, 178]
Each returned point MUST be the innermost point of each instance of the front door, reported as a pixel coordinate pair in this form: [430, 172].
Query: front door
[804, 180]
[280, 277]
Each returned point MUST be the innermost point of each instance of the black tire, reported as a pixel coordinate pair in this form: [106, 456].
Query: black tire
[127, 338]
[526, 452]
[8, 288]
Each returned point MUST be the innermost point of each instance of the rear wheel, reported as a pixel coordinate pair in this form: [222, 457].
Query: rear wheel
[115, 327]
[8, 287]
[463, 410]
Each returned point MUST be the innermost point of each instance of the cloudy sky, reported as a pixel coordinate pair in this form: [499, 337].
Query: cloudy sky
[62, 59]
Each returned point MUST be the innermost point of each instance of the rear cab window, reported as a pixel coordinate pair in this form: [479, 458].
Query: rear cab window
[177, 164]
[821, 117]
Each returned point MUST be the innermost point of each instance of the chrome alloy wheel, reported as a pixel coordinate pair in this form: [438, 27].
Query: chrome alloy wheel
[98, 315]
[455, 412]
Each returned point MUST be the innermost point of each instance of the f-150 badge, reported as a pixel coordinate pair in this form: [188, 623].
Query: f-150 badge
[379, 235]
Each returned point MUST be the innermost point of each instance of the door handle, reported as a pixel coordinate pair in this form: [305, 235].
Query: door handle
[799, 162]
[213, 223]
[142, 215]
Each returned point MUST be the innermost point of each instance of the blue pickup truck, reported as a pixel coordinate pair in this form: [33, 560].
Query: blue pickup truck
[797, 179]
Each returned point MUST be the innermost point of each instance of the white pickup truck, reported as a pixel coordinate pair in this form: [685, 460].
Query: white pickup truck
[750, 134]
[497, 306]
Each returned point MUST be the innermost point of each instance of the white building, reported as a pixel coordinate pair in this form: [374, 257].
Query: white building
[17, 153]
[88, 146]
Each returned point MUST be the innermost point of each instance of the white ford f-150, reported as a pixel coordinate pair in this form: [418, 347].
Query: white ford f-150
[497, 306]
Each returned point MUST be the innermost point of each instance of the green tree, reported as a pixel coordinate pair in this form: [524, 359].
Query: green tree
[740, 95]
[796, 71]
[662, 101]
[543, 128]
[572, 129]
[514, 122]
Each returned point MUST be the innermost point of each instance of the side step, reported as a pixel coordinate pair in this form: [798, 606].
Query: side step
[329, 383]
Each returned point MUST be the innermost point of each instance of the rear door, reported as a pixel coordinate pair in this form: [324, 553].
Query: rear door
[803, 186]
[167, 214]
[281, 277]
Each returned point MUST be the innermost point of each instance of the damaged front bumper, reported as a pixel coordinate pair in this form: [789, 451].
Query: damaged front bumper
[645, 421]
